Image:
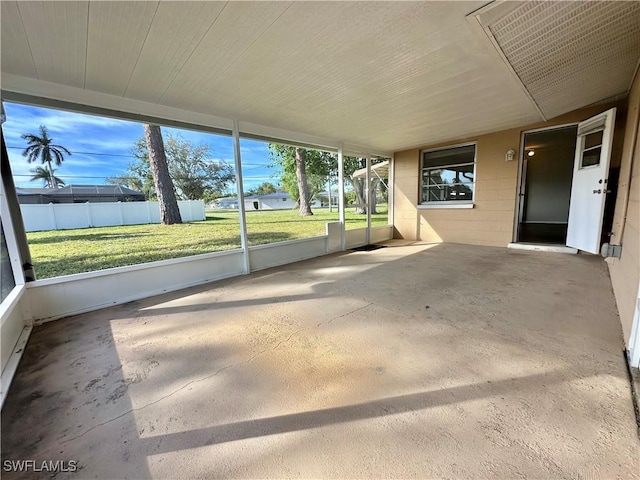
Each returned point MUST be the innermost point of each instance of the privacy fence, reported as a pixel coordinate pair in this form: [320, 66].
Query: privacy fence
[64, 216]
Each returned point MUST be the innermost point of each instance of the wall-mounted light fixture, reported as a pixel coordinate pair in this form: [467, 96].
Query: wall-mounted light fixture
[531, 153]
[510, 155]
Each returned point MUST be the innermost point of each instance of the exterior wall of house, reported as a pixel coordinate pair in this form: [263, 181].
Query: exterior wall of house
[492, 218]
[267, 203]
[276, 204]
[625, 271]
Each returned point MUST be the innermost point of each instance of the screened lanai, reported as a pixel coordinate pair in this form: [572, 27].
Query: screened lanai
[344, 344]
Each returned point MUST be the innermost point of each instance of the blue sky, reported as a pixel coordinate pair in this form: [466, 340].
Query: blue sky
[101, 147]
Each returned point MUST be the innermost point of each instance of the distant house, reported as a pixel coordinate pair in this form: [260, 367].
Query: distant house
[274, 201]
[78, 194]
[325, 198]
[226, 203]
[33, 196]
[271, 201]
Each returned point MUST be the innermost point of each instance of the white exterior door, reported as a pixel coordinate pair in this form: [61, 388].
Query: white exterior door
[589, 187]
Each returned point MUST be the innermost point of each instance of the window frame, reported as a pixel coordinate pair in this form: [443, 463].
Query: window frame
[12, 250]
[448, 203]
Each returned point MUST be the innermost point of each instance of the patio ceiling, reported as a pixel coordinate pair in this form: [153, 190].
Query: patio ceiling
[386, 75]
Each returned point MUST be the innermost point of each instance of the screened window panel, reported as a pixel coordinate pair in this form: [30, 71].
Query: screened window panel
[448, 175]
[449, 156]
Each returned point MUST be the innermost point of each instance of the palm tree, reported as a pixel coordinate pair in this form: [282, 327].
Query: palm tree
[40, 148]
[40, 173]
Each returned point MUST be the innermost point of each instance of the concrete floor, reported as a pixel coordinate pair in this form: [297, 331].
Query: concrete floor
[421, 361]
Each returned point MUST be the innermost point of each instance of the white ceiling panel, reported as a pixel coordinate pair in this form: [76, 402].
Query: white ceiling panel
[13, 33]
[270, 66]
[57, 36]
[117, 31]
[238, 26]
[387, 75]
[178, 28]
[310, 68]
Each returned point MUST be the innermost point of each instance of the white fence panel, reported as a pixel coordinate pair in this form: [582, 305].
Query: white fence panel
[154, 211]
[191, 210]
[37, 218]
[64, 216]
[104, 215]
[70, 215]
[136, 213]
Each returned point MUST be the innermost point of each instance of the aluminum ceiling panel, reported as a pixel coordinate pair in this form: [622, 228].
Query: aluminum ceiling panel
[13, 33]
[117, 32]
[571, 54]
[177, 29]
[235, 29]
[57, 39]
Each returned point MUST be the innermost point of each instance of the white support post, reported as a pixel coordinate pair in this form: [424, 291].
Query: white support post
[87, 207]
[368, 194]
[239, 188]
[52, 210]
[343, 238]
[120, 213]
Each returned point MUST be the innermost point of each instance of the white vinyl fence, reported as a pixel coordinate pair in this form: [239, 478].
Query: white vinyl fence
[64, 216]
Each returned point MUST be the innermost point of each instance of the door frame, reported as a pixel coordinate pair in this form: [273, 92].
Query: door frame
[634, 337]
[522, 175]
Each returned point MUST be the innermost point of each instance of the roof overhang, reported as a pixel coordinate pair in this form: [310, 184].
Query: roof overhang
[378, 170]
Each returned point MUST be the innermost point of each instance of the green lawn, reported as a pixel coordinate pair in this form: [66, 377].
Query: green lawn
[63, 252]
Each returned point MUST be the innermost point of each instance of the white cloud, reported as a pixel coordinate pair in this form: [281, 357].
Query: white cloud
[57, 120]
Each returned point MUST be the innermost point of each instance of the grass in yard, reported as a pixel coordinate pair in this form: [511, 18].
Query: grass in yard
[64, 252]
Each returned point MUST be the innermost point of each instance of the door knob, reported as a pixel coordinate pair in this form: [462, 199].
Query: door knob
[597, 191]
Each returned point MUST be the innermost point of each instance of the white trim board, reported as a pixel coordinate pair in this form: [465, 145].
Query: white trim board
[634, 337]
[433, 206]
[541, 247]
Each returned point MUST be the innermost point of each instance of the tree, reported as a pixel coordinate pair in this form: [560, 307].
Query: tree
[140, 184]
[194, 176]
[40, 148]
[44, 175]
[169, 212]
[351, 164]
[264, 188]
[359, 184]
[304, 199]
[303, 173]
